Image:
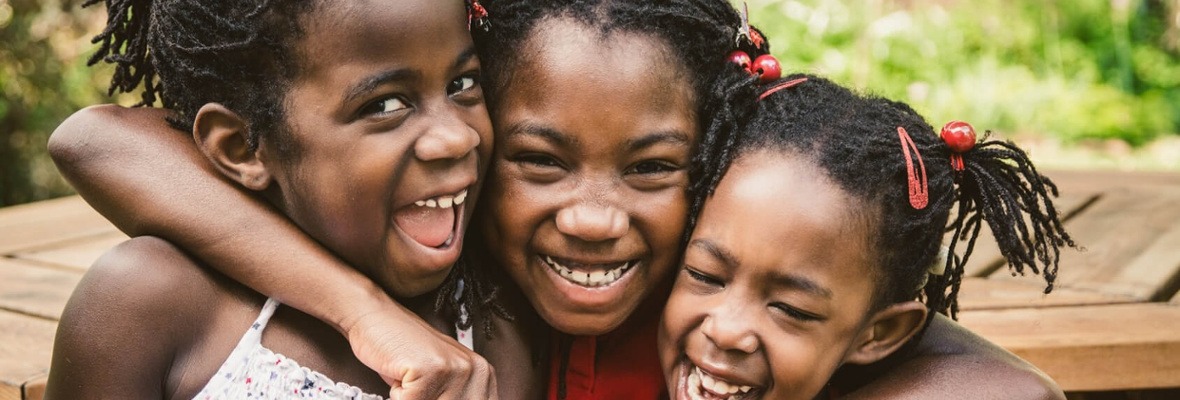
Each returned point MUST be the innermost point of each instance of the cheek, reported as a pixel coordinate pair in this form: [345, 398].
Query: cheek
[663, 218]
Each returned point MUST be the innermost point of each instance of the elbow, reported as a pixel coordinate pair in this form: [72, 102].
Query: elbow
[69, 145]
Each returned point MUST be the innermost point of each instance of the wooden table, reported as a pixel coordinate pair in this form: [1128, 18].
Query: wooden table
[1113, 323]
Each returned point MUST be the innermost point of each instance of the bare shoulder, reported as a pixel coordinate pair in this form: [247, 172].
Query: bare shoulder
[136, 306]
[953, 362]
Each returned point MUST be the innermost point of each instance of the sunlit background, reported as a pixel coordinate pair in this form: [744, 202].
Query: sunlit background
[1080, 83]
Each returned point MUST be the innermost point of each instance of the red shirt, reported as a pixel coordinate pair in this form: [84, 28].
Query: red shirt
[623, 364]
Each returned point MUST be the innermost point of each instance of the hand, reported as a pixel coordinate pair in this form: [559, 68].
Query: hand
[417, 361]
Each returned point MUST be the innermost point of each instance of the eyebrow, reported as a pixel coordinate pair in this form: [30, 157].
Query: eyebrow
[777, 279]
[542, 132]
[669, 137]
[395, 75]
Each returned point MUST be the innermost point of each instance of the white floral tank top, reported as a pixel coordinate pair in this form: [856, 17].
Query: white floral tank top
[253, 371]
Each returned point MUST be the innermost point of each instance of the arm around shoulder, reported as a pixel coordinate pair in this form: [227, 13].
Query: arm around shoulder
[124, 323]
[953, 362]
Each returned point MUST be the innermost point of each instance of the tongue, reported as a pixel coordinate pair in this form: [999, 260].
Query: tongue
[429, 226]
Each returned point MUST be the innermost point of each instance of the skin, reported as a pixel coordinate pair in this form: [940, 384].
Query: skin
[592, 185]
[389, 339]
[397, 141]
[773, 309]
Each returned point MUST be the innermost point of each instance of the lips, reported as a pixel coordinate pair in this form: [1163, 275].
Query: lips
[431, 222]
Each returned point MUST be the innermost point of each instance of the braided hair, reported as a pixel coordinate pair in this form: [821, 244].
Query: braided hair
[187, 53]
[855, 140]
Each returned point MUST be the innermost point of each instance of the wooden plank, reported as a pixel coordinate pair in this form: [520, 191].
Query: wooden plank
[26, 345]
[1132, 241]
[35, 389]
[41, 223]
[991, 294]
[986, 257]
[35, 290]
[1110, 347]
[79, 254]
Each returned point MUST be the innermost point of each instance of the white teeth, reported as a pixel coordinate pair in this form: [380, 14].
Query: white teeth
[443, 201]
[714, 385]
[588, 279]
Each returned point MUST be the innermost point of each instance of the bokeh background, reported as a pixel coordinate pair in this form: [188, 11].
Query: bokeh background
[1080, 83]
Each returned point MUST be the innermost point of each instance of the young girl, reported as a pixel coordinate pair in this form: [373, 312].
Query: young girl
[373, 147]
[825, 233]
[600, 108]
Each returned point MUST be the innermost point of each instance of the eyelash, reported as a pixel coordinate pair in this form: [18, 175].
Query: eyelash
[787, 310]
[372, 108]
[795, 313]
[662, 167]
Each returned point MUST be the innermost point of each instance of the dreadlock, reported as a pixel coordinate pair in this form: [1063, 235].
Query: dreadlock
[187, 53]
[854, 139]
[699, 33]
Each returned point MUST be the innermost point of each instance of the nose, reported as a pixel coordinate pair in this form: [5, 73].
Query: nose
[448, 138]
[593, 223]
[729, 330]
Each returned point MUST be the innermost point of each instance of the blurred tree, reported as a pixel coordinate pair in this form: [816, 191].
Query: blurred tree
[43, 78]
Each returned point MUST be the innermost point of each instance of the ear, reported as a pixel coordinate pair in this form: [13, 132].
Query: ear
[886, 331]
[221, 135]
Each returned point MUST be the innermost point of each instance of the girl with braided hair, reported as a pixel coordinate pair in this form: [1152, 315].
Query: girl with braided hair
[608, 116]
[764, 308]
[363, 122]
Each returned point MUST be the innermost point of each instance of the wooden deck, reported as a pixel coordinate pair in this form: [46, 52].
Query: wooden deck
[1113, 323]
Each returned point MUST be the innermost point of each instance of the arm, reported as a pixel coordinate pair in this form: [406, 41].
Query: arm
[952, 362]
[150, 179]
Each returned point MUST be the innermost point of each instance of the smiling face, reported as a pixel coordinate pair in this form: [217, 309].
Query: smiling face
[387, 136]
[586, 200]
[776, 287]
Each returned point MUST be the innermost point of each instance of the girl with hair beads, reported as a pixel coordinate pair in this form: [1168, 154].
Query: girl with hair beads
[602, 110]
[764, 308]
[348, 144]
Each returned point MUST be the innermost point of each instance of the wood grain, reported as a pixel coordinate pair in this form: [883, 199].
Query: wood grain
[991, 294]
[35, 290]
[26, 345]
[32, 225]
[1108, 347]
[78, 254]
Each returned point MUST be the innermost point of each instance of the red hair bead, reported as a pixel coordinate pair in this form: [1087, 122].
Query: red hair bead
[959, 136]
[740, 58]
[767, 68]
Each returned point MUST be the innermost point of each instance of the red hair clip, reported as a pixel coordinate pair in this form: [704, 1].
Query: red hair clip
[477, 14]
[916, 177]
[960, 137]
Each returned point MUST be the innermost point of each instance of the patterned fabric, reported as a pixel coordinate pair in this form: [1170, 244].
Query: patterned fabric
[255, 372]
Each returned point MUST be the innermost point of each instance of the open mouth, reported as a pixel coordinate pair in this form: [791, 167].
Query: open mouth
[696, 384]
[432, 222]
[589, 275]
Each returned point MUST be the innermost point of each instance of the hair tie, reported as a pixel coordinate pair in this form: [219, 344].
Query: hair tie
[781, 86]
[766, 67]
[479, 15]
[919, 190]
[960, 137]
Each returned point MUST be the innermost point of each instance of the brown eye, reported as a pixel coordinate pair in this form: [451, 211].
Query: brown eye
[462, 84]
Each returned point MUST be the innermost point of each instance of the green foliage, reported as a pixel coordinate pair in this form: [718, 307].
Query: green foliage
[1076, 70]
[43, 78]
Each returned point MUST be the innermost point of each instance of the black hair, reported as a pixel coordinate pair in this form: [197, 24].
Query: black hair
[187, 53]
[855, 140]
[698, 33]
